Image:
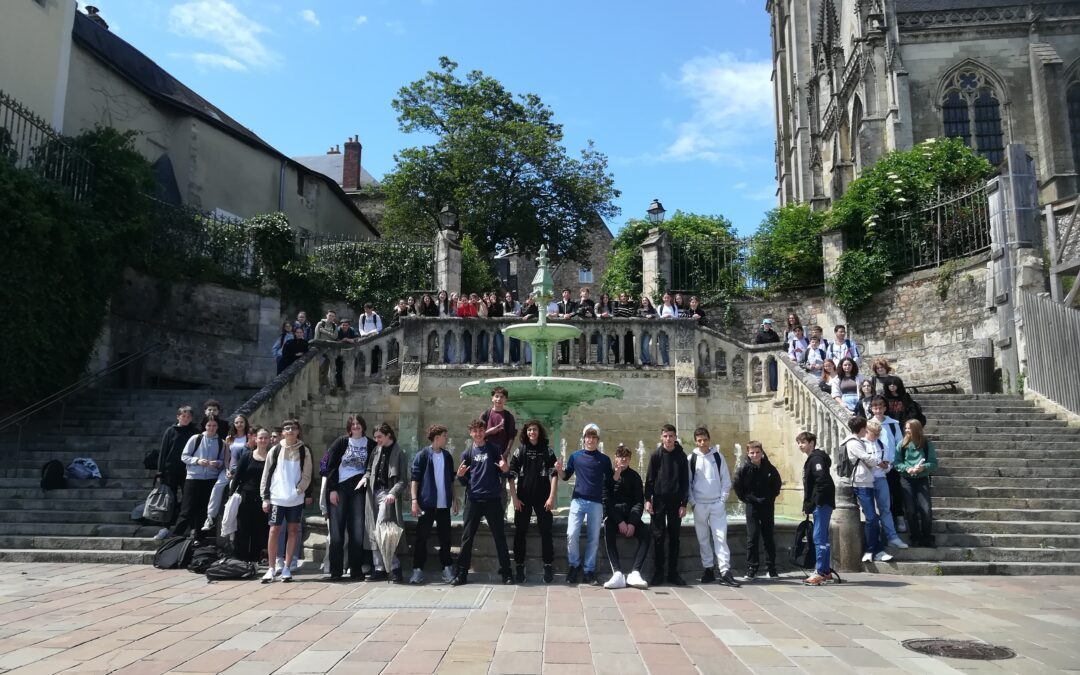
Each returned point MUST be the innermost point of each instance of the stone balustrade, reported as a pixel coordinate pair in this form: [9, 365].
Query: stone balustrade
[809, 407]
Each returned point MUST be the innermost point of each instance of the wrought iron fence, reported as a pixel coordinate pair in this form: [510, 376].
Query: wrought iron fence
[28, 142]
[715, 267]
[956, 225]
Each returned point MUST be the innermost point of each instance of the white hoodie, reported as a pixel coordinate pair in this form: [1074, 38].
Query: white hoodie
[708, 485]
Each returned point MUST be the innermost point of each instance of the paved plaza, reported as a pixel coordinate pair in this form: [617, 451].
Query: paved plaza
[136, 619]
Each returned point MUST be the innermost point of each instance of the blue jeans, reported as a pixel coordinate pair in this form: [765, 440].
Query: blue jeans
[884, 507]
[580, 509]
[822, 514]
[497, 343]
[872, 526]
[664, 349]
[646, 343]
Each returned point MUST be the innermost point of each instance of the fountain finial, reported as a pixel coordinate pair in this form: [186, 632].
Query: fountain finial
[543, 286]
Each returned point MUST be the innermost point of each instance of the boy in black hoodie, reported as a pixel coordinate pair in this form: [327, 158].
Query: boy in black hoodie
[532, 489]
[819, 499]
[170, 467]
[757, 483]
[624, 501]
[667, 483]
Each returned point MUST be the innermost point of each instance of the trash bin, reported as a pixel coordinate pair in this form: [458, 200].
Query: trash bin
[981, 369]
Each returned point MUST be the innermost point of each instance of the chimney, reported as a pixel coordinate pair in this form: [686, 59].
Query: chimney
[95, 16]
[350, 179]
[334, 150]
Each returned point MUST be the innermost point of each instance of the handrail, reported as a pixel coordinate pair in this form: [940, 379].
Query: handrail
[74, 387]
[811, 407]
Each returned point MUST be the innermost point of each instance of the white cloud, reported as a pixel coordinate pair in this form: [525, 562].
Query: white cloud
[731, 99]
[361, 20]
[309, 16]
[222, 24]
[213, 61]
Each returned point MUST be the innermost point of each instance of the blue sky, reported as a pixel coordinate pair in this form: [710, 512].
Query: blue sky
[676, 95]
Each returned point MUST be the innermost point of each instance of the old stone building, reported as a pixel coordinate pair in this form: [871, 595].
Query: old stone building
[854, 79]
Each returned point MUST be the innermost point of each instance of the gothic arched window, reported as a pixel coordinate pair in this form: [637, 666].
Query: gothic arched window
[971, 110]
[1072, 99]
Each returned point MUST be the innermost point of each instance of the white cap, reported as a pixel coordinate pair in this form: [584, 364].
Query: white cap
[588, 427]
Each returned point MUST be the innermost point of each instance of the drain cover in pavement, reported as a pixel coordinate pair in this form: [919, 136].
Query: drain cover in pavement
[959, 649]
[431, 597]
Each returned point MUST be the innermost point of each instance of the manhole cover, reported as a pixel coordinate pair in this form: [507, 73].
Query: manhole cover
[959, 649]
[424, 597]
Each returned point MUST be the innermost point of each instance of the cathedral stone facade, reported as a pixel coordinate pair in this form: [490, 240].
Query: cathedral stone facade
[855, 79]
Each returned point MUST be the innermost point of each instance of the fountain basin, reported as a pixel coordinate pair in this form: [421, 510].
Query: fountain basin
[535, 396]
[542, 333]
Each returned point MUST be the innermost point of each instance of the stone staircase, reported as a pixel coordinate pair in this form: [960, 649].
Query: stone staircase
[1006, 498]
[90, 521]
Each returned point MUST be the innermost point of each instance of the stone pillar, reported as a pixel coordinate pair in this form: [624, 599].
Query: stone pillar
[448, 261]
[846, 531]
[1057, 166]
[655, 263]
[1016, 254]
[684, 354]
[832, 247]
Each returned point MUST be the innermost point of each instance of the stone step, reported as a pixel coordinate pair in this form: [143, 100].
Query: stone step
[76, 556]
[78, 543]
[108, 467]
[946, 396]
[967, 511]
[949, 482]
[932, 412]
[1022, 541]
[952, 434]
[35, 492]
[1066, 505]
[34, 473]
[962, 568]
[987, 554]
[993, 426]
[961, 415]
[971, 460]
[1006, 492]
[981, 470]
[65, 528]
[62, 502]
[1006, 527]
[122, 517]
[1029, 450]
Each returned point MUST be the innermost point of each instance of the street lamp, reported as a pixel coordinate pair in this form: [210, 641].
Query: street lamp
[448, 219]
[656, 212]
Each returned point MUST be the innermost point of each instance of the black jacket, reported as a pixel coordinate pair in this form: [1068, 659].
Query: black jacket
[624, 499]
[172, 447]
[757, 485]
[668, 477]
[531, 467]
[337, 451]
[567, 307]
[766, 336]
[818, 486]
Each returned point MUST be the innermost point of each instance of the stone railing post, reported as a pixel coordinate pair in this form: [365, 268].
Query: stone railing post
[832, 247]
[448, 261]
[655, 263]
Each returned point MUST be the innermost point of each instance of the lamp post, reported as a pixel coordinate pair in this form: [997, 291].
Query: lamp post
[656, 212]
[448, 219]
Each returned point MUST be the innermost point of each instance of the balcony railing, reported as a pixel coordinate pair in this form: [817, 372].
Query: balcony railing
[28, 142]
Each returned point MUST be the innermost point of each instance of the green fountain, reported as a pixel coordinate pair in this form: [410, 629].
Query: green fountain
[541, 396]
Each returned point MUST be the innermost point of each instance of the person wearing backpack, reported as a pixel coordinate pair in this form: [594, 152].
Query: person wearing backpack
[757, 484]
[819, 500]
[667, 487]
[204, 457]
[710, 484]
[842, 348]
[170, 463]
[862, 451]
[285, 489]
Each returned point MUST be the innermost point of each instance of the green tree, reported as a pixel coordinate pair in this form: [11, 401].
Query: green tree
[498, 161]
[692, 235]
[787, 247]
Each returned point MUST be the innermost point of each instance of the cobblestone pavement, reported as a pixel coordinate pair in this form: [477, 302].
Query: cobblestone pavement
[135, 619]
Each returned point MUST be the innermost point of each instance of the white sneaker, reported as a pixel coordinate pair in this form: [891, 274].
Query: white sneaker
[269, 576]
[868, 557]
[447, 574]
[296, 564]
[208, 524]
[617, 580]
[278, 565]
[901, 524]
[162, 533]
[882, 556]
[417, 577]
[635, 580]
[286, 575]
[897, 543]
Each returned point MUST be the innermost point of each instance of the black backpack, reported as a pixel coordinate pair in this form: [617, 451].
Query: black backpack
[203, 557]
[227, 569]
[802, 553]
[174, 553]
[150, 460]
[845, 468]
[52, 475]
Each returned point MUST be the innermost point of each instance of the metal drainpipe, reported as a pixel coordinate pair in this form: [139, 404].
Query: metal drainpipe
[281, 188]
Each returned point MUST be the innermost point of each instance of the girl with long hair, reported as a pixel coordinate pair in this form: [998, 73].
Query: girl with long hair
[384, 486]
[845, 388]
[532, 489]
[646, 311]
[915, 462]
[828, 376]
[252, 528]
[345, 467]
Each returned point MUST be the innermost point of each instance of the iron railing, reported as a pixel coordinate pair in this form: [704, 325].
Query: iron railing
[28, 142]
[956, 225]
[712, 268]
[1051, 329]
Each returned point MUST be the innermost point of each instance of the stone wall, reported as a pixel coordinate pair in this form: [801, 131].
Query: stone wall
[927, 338]
[808, 304]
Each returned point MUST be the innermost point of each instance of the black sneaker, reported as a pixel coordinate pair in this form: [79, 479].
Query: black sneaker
[378, 575]
[772, 573]
[520, 574]
[750, 575]
[590, 579]
[460, 580]
[675, 580]
[397, 577]
[507, 578]
[549, 574]
[708, 576]
[727, 579]
[572, 575]
[657, 578]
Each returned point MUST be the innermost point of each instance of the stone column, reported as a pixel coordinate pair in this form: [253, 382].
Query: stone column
[832, 247]
[1016, 254]
[448, 261]
[1056, 162]
[655, 263]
